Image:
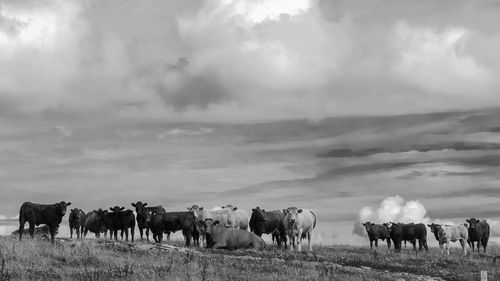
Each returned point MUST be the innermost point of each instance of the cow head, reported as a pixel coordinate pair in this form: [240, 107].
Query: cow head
[258, 214]
[116, 209]
[76, 213]
[472, 223]
[230, 207]
[99, 213]
[209, 225]
[368, 226]
[292, 214]
[195, 209]
[435, 228]
[142, 212]
[62, 207]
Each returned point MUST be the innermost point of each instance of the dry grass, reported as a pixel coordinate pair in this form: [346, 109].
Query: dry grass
[101, 260]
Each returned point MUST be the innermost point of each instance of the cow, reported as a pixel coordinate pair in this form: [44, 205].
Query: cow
[446, 233]
[299, 223]
[40, 231]
[94, 222]
[241, 218]
[36, 214]
[221, 237]
[479, 231]
[377, 231]
[120, 219]
[172, 222]
[225, 216]
[412, 232]
[270, 222]
[76, 222]
[144, 216]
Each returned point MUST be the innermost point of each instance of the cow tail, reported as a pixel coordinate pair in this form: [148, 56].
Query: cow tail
[314, 225]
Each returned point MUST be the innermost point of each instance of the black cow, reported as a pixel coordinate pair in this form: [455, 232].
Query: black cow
[120, 219]
[409, 232]
[144, 216]
[36, 214]
[376, 232]
[172, 222]
[271, 222]
[94, 222]
[479, 231]
[76, 222]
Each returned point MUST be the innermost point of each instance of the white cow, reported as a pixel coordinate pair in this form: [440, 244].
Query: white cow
[241, 217]
[446, 233]
[299, 223]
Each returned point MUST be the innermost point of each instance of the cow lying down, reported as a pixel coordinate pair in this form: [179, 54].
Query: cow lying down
[40, 232]
[220, 237]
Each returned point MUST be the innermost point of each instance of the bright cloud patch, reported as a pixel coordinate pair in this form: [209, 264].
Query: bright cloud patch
[437, 60]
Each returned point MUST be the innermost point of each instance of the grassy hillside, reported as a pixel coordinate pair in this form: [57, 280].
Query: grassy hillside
[105, 260]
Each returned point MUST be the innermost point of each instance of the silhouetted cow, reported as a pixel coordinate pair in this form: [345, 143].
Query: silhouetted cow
[377, 231]
[479, 231]
[76, 222]
[94, 222]
[172, 222]
[412, 232]
[120, 219]
[270, 222]
[36, 214]
[144, 216]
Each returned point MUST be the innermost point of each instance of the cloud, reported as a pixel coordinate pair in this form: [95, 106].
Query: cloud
[392, 209]
[237, 59]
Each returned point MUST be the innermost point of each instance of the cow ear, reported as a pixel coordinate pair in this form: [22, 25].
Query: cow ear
[189, 208]
[372, 223]
[216, 222]
[69, 203]
[263, 210]
[429, 225]
[285, 211]
[133, 205]
[122, 208]
[364, 224]
[299, 211]
[111, 208]
[145, 204]
[235, 208]
[223, 207]
[253, 210]
[201, 208]
[467, 220]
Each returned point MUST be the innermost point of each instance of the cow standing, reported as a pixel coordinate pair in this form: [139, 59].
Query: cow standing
[299, 223]
[144, 216]
[172, 222]
[94, 222]
[271, 222]
[36, 214]
[120, 219]
[446, 233]
[479, 231]
[377, 231]
[76, 222]
[221, 237]
[412, 232]
[241, 217]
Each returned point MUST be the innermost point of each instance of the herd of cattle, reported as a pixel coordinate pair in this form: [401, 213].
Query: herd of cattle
[470, 232]
[225, 227]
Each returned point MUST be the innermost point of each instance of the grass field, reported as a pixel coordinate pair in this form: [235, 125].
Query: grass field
[106, 260]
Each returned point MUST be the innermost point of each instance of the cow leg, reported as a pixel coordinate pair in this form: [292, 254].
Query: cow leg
[441, 246]
[299, 240]
[132, 233]
[478, 245]
[121, 234]
[147, 234]
[32, 230]
[485, 243]
[371, 244]
[376, 243]
[77, 233]
[140, 232]
[52, 230]
[388, 243]
[309, 235]
[448, 247]
[462, 242]
[187, 236]
[126, 234]
[70, 232]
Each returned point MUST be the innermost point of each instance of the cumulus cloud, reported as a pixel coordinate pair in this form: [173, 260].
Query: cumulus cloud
[392, 209]
[230, 59]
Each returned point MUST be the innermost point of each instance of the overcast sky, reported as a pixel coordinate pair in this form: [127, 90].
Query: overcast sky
[245, 60]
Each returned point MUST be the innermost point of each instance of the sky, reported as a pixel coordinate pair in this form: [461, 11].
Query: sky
[246, 60]
[219, 102]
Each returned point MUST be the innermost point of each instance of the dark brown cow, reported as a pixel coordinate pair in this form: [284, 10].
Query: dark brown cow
[376, 232]
[76, 222]
[94, 222]
[479, 231]
[144, 216]
[120, 219]
[270, 222]
[409, 232]
[36, 214]
[172, 222]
